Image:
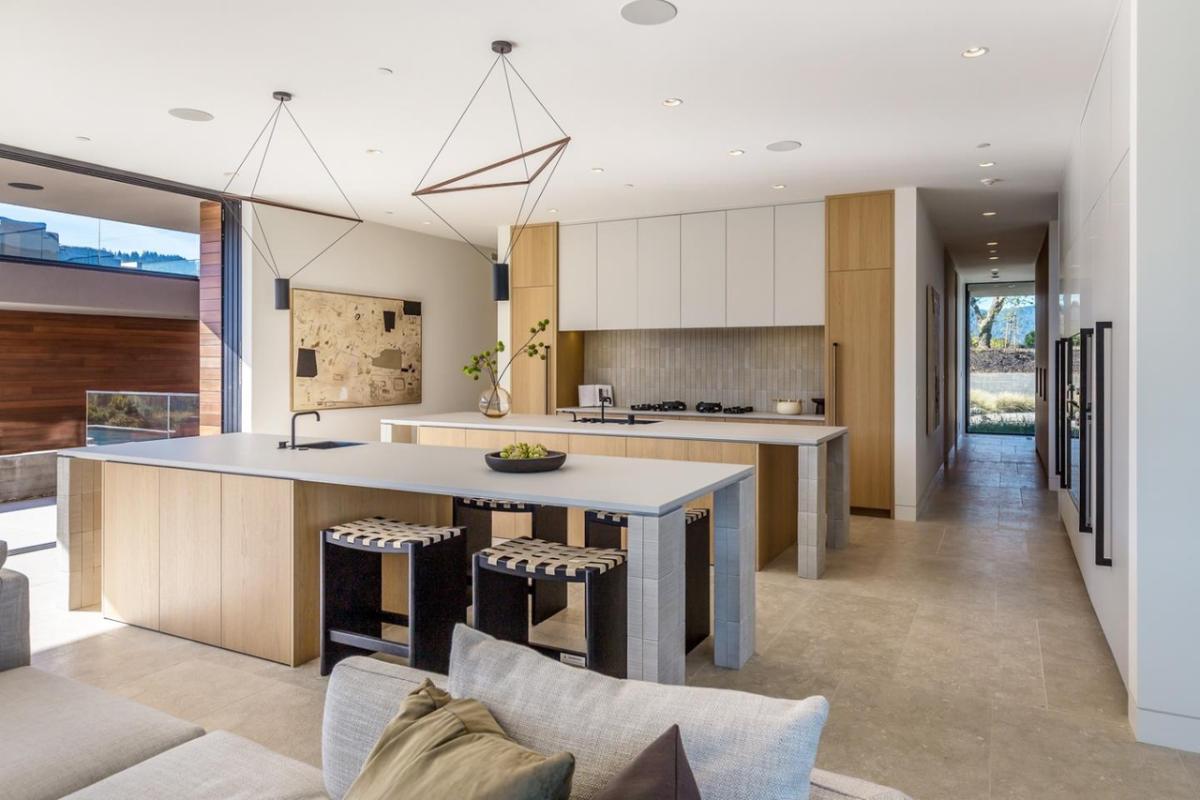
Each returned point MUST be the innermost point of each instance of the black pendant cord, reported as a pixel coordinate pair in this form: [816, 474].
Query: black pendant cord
[459, 233]
[342, 192]
[521, 227]
[512, 104]
[259, 226]
[529, 89]
[457, 122]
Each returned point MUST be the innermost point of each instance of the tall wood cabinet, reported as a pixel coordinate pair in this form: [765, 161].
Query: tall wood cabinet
[534, 297]
[859, 360]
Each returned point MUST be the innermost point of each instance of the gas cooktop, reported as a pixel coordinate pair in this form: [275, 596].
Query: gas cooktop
[664, 405]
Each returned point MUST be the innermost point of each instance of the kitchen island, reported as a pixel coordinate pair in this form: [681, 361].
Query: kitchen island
[216, 538]
[803, 471]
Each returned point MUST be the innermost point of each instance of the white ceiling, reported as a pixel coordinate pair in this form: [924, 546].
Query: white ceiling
[875, 89]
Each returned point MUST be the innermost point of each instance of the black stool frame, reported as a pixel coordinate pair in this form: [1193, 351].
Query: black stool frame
[352, 615]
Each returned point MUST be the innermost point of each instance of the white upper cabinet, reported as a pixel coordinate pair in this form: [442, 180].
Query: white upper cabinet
[577, 277]
[800, 264]
[749, 267]
[658, 272]
[616, 274]
[702, 270]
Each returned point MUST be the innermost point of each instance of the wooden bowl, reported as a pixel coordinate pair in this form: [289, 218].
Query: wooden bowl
[552, 461]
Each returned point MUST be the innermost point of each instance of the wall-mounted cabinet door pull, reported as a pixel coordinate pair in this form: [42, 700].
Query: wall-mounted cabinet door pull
[1103, 329]
[1085, 429]
[835, 401]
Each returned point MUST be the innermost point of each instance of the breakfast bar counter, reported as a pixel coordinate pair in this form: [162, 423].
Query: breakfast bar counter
[217, 538]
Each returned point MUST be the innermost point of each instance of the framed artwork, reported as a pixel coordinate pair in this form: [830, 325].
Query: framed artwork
[354, 351]
[933, 361]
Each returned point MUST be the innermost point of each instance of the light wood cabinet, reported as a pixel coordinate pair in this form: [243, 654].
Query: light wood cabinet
[441, 437]
[577, 277]
[616, 275]
[749, 267]
[721, 452]
[534, 255]
[488, 440]
[799, 292]
[189, 554]
[596, 445]
[559, 442]
[702, 270]
[669, 449]
[531, 376]
[658, 300]
[257, 567]
[130, 573]
[860, 231]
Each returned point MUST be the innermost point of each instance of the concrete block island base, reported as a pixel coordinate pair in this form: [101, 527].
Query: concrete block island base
[216, 539]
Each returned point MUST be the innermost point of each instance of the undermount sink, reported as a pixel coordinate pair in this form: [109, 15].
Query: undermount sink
[326, 445]
[618, 421]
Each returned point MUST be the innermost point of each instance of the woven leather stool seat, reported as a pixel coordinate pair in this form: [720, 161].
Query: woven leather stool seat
[620, 520]
[541, 558]
[388, 534]
[489, 504]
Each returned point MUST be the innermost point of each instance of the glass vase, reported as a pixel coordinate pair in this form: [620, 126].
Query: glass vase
[495, 402]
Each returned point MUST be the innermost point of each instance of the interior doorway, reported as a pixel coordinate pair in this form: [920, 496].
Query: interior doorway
[1001, 337]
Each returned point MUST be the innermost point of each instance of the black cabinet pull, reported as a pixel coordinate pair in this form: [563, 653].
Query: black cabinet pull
[1085, 429]
[1102, 329]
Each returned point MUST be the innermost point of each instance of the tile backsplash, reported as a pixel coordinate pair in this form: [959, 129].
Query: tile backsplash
[732, 366]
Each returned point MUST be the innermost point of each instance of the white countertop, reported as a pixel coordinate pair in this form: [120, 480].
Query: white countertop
[627, 485]
[760, 433]
[594, 411]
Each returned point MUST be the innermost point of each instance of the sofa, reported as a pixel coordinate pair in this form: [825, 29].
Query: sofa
[62, 738]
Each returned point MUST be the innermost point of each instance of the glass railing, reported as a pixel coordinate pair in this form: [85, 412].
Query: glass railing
[118, 417]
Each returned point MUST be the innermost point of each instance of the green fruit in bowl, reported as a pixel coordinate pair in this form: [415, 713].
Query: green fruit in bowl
[523, 450]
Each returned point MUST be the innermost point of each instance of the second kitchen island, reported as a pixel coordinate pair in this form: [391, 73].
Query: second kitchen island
[803, 471]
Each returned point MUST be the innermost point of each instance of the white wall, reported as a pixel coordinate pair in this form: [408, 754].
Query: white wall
[37, 287]
[920, 263]
[1165, 434]
[450, 280]
[1094, 285]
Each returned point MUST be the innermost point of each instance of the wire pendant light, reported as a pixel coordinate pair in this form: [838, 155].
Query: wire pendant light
[535, 160]
[282, 282]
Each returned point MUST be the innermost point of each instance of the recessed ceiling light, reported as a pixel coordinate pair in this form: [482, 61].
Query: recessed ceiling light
[991, 251]
[229, 174]
[989, 213]
[28, 187]
[986, 164]
[783, 146]
[671, 102]
[389, 213]
[83, 138]
[989, 181]
[629, 186]
[385, 70]
[648, 12]
[993, 244]
[374, 151]
[190, 114]
[597, 169]
[426, 222]
[552, 210]
[993, 258]
[779, 186]
[974, 52]
[983, 145]
[737, 152]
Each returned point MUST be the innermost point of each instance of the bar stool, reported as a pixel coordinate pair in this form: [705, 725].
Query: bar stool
[352, 615]
[603, 529]
[503, 571]
[549, 523]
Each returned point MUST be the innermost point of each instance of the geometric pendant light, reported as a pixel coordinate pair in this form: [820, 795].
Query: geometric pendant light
[282, 282]
[535, 159]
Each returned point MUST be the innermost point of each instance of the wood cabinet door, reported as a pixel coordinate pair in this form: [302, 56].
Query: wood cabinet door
[800, 264]
[616, 275]
[750, 267]
[488, 440]
[658, 272]
[534, 258]
[702, 270]
[668, 449]
[860, 379]
[189, 554]
[596, 445]
[257, 589]
[441, 437]
[530, 393]
[129, 588]
[860, 231]
[577, 277]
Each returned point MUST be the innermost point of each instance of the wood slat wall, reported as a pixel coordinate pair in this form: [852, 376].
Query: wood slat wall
[48, 361]
[210, 318]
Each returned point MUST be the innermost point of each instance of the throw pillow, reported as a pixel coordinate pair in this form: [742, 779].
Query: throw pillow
[660, 772]
[440, 747]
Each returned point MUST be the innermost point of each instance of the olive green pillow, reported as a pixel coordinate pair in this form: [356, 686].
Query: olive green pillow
[439, 747]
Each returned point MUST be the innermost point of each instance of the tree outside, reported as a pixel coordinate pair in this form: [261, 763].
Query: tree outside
[1002, 363]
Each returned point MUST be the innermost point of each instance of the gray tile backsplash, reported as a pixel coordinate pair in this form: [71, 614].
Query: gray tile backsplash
[732, 366]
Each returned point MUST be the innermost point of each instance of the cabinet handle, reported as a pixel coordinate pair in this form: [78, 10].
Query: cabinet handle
[549, 406]
[1102, 329]
[1085, 429]
[837, 395]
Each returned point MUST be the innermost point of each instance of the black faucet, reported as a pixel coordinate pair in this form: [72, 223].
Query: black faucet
[297, 415]
[605, 400]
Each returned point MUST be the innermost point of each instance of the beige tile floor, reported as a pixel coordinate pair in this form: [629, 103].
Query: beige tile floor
[960, 655]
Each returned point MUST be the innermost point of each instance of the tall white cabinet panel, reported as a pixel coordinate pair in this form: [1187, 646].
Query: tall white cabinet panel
[658, 272]
[702, 270]
[577, 277]
[616, 275]
[749, 267]
[800, 264]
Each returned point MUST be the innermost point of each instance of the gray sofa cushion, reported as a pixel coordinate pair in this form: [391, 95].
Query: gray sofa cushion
[363, 696]
[14, 620]
[219, 766]
[741, 746]
[3, 552]
[832, 786]
[60, 735]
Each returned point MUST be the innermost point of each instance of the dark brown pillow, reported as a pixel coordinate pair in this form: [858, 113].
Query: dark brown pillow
[660, 772]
